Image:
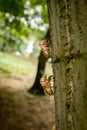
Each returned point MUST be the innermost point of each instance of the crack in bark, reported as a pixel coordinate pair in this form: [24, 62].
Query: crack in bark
[68, 73]
[69, 56]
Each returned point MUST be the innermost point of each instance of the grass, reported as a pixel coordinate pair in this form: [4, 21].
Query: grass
[12, 64]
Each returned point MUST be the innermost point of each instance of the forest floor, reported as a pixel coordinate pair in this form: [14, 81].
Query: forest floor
[20, 110]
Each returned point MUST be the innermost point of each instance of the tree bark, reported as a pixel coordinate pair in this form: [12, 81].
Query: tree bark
[68, 24]
[37, 88]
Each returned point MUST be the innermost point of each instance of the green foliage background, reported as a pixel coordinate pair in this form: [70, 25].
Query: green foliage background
[19, 21]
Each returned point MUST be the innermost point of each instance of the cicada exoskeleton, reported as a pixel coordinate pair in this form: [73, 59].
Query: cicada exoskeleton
[46, 48]
[47, 84]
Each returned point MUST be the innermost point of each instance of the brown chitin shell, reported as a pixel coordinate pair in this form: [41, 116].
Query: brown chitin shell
[45, 47]
[46, 84]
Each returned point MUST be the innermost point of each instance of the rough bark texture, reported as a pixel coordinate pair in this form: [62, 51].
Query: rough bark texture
[68, 24]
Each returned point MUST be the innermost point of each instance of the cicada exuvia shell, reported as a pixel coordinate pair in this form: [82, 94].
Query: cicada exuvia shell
[46, 48]
[47, 84]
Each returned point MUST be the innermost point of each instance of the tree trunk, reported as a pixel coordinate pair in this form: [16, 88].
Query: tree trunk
[68, 23]
[37, 88]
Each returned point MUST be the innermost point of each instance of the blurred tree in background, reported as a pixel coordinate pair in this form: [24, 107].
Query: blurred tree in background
[23, 24]
[37, 88]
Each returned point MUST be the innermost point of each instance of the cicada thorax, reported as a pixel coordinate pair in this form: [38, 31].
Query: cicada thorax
[46, 48]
